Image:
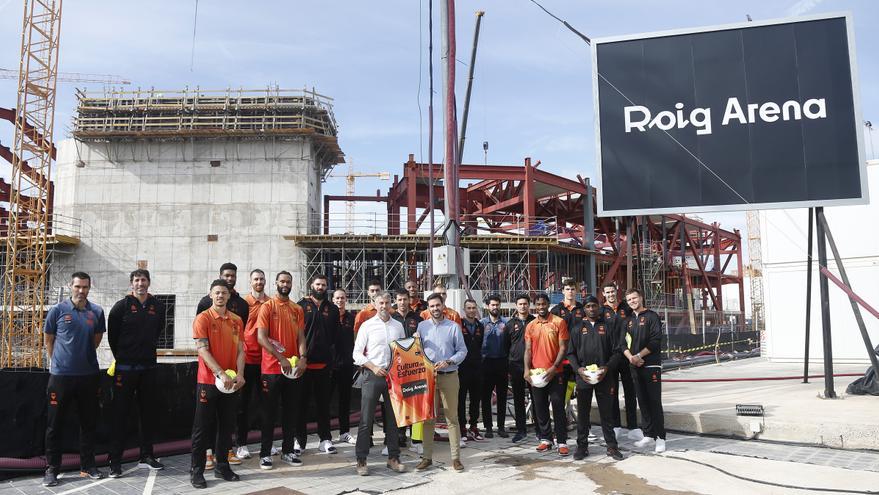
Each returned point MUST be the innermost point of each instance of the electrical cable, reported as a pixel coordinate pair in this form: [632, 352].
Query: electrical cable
[578, 33]
[194, 25]
[771, 483]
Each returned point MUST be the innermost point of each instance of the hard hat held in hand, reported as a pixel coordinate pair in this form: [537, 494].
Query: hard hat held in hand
[292, 374]
[221, 387]
[538, 377]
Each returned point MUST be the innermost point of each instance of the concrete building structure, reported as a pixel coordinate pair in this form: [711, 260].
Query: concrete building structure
[784, 246]
[181, 183]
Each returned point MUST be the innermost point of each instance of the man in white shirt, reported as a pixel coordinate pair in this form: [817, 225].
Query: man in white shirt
[372, 351]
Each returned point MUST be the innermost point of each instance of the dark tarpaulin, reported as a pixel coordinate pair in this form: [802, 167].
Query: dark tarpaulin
[867, 384]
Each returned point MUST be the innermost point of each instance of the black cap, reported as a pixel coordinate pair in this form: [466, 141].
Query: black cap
[590, 298]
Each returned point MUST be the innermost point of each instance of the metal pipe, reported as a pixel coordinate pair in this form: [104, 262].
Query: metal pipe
[479, 14]
[430, 198]
[829, 392]
[450, 170]
[808, 296]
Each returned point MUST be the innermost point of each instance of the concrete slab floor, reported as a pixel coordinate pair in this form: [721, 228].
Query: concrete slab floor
[692, 465]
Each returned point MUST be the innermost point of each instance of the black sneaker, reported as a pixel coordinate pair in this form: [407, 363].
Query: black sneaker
[150, 463]
[115, 470]
[51, 477]
[196, 478]
[226, 474]
[488, 433]
[614, 453]
[502, 433]
[581, 453]
[91, 473]
[518, 437]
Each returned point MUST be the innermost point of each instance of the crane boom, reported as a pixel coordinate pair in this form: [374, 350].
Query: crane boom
[74, 77]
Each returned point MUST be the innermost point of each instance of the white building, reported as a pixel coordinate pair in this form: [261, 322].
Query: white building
[784, 246]
[181, 183]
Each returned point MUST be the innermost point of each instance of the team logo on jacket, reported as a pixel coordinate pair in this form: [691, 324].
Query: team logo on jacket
[607, 314]
[134, 308]
[68, 318]
[601, 330]
[642, 319]
[631, 323]
[203, 396]
[151, 310]
[53, 399]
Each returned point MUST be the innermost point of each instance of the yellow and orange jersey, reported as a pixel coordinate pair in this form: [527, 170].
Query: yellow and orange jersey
[411, 382]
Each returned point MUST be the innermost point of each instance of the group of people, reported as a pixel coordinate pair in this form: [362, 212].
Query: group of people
[259, 354]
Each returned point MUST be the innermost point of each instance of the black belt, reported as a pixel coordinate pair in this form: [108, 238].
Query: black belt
[447, 372]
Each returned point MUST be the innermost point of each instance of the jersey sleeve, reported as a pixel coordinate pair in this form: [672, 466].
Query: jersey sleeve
[200, 328]
[51, 324]
[264, 315]
[563, 331]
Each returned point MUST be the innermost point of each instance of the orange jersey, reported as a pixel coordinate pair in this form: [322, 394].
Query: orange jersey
[364, 314]
[411, 383]
[544, 336]
[284, 320]
[252, 349]
[449, 313]
[223, 334]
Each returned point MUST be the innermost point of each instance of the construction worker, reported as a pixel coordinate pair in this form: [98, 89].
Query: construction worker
[495, 367]
[368, 311]
[470, 373]
[321, 330]
[595, 344]
[515, 343]
[133, 328]
[546, 343]
[280, 329]
[643, 336]
[616, 315]
[343, 368]
[218, 334]
[72, 331]
[250, 394]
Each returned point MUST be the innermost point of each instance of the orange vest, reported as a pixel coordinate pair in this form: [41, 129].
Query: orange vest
[411, 382]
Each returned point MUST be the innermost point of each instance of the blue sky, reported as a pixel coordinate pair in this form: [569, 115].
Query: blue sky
[532, 92]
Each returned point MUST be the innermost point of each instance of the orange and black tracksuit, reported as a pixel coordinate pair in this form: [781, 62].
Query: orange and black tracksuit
[322, 323]
[645, 330]
[470, 373]
[515, 344]
[343, 368]
[616, 318]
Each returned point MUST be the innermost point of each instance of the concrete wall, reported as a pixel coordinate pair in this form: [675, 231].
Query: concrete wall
[784, 246]
[158, 203]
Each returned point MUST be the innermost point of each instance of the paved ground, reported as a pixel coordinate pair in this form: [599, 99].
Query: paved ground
[498, 466]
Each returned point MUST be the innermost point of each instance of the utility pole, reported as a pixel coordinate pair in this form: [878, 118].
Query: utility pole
[450, 121]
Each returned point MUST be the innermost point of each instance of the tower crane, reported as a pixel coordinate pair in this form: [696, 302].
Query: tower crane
[350, 177]
[74, 77]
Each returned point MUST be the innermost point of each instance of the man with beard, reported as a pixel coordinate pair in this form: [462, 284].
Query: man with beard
[415, 302]
[321, 330]
[593, 342]
[444, 345]
[343, 370]
[280, 325]
[470, 372]
[546, 342]
[368, 311]
[372, 351]
[236, 304]
[495, 356]
[448, 313]
[250, 394]
[515, 345]
[616, 315]
[643, 338]
[133, 329]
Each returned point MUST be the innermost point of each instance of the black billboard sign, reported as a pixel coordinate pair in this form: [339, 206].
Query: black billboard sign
[746, 116]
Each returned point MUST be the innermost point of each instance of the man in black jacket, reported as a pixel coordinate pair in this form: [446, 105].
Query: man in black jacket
[516, 352]
[643, 337]
[133, 329]
[593, 342]
[343, 369]
[617, 313]
[321, 330]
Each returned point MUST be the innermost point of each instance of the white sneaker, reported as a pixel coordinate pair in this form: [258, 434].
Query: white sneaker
[643, 442]
[660, 446]
[592, 438]
[276, 450]
[417, 448]
[636, 434]
[243, 452]
[618, 432]
[347, 438]
[326, 446]
[385, 451]
[296, 448]
[462, 443]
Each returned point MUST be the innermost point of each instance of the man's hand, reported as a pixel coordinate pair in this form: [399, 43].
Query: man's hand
[528, 377]
[228, 382]
[550, 373]
[300, 367]
[636, 360]
[286, 367]
[238, 382]
[602, 372]
[378, 371]
[442, 365]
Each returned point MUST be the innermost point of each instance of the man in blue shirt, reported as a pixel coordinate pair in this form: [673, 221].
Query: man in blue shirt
[444, 345]
[73, 330]
[495, 355]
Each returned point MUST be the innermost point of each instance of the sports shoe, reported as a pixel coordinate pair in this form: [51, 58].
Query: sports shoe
[660, 446]
[115, 471]
[346, 438]
[502, 433]
[385, 451]
[488, 433]
[326, 446]
[592, 438]
[424, 464]
[276, 450]
[292, 459]
[614, 453]
[226, 474]
[243, 452]
[91, 473]
[362, 470]
[544, 446]
[580, 453]
[396, 466]
[209, 462]
[618, 432]
[462, 443]
[151, 464]
[636, 434]
[296, 448]
[51, 477]
[519, 436]
[233, 459]
[643, 442]
[417, 448]
[456, 464]
[197, 480]
[564, 451]
[265, 462]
